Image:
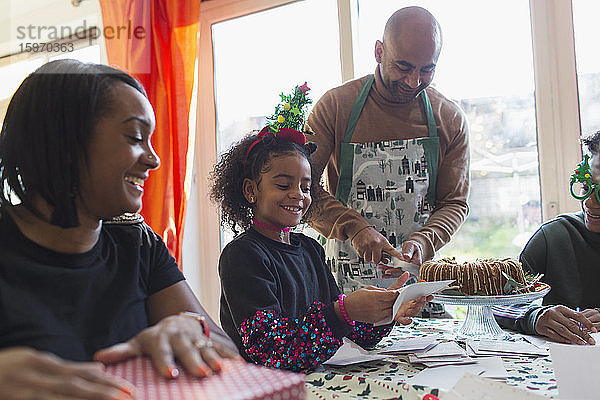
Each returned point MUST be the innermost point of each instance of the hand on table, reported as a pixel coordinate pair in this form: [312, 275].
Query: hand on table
[370, 244]
[174, 337]
[30, 374]
[593, 315]
[564, 325]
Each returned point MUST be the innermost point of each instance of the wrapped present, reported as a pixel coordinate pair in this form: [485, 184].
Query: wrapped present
[237, 381]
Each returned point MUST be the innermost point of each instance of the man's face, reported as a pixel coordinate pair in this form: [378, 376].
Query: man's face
[407, 63]
[590, 206]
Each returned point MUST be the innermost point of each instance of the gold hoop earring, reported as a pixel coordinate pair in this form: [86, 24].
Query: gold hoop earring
[251, 200]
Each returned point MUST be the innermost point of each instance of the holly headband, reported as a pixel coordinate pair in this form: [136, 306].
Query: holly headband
[286, 122]
[583, 175]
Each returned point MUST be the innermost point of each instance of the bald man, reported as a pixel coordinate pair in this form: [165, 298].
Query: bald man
[397, 158]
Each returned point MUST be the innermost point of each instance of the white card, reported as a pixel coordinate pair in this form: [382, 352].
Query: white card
[414, 291]
[462, 361]
[409, 345]
[447, 376]
[473, 387]
[576, 369]
[351, 353]
[516, 348]
[443, 349]
[444, 377]
[494, 367]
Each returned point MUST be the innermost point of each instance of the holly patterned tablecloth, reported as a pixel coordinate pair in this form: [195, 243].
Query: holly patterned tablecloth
[384, 379]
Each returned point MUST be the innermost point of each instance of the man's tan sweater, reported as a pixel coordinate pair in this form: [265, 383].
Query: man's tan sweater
[383, 119]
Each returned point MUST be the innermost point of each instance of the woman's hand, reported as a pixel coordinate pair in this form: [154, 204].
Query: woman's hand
[30, 374]
[174, 337]
[564, 325]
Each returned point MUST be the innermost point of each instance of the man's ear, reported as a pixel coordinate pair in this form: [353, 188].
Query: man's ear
[249, 190]
[378, 51]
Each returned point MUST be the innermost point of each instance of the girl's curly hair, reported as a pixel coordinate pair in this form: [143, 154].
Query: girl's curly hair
[229, 173]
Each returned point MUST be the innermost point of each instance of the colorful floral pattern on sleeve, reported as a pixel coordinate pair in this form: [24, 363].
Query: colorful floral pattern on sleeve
[367, 335]
[296, 344]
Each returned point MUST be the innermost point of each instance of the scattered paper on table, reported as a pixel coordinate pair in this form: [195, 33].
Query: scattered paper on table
[414, 291]
[504, 348]
[440, 361]
[576, 369]
[447, 376]
[544, 342]
[538, 341]
[411, 345]
[351, 353]
[444, 377]
[494, 368]
[473, 387]
[443, 349]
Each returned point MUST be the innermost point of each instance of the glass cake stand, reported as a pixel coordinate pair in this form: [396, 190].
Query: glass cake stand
[479, 322]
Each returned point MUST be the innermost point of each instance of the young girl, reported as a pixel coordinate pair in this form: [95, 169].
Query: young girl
[279, 301]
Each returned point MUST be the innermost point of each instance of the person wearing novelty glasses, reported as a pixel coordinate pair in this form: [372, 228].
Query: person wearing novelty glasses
[567, 251]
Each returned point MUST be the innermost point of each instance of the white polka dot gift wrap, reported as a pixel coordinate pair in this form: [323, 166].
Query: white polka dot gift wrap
[237, 381]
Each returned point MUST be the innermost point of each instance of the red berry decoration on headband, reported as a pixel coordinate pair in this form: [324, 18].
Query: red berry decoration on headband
[287, 121]
[304, 88]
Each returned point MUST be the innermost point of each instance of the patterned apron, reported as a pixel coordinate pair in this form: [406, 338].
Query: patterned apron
[392, 185]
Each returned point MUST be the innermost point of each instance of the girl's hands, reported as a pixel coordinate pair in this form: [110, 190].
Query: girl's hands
[30, 374]
[174, 337]
[411, 309]
[371, 304]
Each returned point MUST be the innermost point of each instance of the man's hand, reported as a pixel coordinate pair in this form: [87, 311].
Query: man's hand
[593, 315]
[564, 325]
[369, 244]
[412, 252]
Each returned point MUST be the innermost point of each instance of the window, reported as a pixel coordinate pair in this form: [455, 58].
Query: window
[490, 75]
[14, 68]
[263, 54]
[585, 19]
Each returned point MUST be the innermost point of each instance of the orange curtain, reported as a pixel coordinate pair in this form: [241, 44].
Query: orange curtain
[156, 41]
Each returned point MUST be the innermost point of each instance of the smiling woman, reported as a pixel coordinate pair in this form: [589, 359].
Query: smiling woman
[77, 279]
[122, 136]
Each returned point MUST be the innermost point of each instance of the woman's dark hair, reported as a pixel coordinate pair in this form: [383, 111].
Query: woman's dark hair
[229, 173]
[592, 142]
[46, 132]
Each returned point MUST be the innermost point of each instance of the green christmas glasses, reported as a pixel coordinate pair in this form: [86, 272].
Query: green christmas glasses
[582, 184]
